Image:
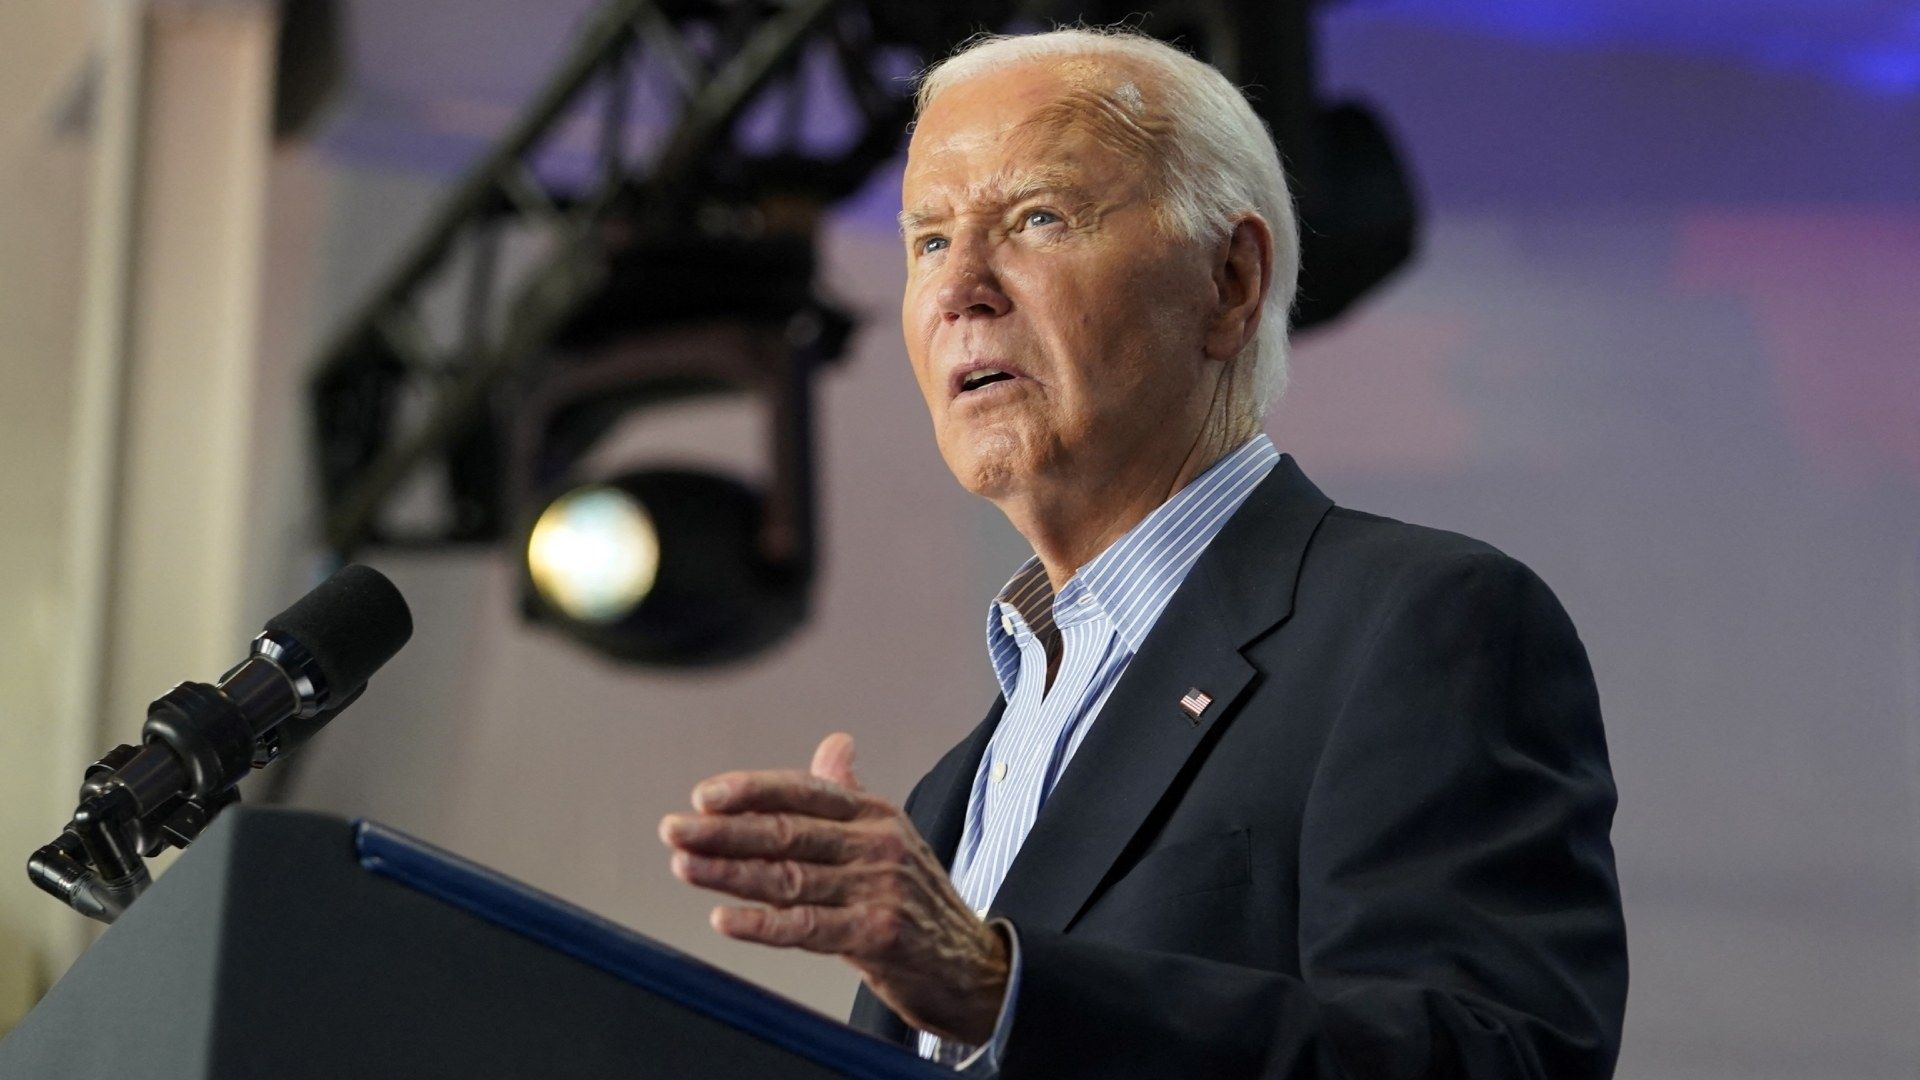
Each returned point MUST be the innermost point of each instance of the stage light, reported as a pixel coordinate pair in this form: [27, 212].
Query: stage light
[594, 554]
[663, 566]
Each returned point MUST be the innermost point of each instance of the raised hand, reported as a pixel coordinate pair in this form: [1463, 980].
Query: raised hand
[844, 872]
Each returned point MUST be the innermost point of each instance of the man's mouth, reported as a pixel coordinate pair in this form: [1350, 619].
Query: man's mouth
[981, 378]
[970, 379]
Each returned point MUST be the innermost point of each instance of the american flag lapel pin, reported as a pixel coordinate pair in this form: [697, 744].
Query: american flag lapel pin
[1195, 703]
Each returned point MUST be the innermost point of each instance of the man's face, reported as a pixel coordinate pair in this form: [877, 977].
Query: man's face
[1033, 248]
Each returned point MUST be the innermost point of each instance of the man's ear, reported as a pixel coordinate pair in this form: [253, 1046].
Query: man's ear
[1241, 269]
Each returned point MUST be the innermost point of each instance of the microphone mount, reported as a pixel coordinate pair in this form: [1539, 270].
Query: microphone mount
[198, 741]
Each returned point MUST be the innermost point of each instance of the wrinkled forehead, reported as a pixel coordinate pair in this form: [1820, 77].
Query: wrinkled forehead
[1032, 124]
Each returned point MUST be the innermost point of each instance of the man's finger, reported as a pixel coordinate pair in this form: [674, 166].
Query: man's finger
[780, 882]
[840, 931]
[761, 836]
[833, 760]
[773, 792]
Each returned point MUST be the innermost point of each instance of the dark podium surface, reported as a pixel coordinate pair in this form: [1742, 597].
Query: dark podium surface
[292, 945]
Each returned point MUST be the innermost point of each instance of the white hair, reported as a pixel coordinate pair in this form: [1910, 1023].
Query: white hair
[1221, 162]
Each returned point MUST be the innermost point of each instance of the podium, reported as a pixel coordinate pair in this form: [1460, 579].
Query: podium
[287, 945]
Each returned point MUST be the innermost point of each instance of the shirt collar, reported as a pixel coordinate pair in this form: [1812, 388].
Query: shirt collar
[1131, 582]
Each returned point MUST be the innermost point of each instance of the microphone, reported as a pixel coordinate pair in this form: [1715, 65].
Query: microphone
[309, 663]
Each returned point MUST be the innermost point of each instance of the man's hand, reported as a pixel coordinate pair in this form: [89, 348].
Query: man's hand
[846, 873]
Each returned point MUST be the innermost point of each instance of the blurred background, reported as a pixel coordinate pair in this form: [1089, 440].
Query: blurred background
[1629, 288]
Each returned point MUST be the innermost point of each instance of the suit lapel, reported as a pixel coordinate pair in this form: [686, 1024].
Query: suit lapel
[1137, 746]
[1143, 738]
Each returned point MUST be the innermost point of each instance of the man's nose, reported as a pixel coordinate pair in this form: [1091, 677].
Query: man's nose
[971, 288]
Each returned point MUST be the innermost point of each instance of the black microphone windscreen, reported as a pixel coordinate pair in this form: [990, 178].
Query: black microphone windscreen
[352, 623]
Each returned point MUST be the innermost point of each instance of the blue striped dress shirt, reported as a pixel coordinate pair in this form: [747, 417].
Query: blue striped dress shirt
[1092, 628]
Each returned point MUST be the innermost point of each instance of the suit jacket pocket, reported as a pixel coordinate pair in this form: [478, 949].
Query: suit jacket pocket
[1183, 868]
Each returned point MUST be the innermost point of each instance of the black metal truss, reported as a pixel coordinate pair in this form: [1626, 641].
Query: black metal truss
[393, 394]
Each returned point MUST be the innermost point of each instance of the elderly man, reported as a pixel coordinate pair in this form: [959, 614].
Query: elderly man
[1275, 788]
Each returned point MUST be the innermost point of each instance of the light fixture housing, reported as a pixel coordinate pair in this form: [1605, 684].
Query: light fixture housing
[662, 566]
[664, 563]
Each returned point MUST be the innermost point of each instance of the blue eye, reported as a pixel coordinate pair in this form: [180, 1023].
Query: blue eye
[927, 244]
[1049, 215]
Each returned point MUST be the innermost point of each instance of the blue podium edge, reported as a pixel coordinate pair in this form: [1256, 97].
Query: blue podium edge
[628, 955]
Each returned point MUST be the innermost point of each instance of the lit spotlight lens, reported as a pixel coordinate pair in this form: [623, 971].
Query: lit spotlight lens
[594, 554]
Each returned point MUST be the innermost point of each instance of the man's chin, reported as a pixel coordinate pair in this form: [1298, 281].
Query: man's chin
[991, 465]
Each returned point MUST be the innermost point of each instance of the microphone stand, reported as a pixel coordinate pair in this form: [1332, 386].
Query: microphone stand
[97, 865]
[136, 802]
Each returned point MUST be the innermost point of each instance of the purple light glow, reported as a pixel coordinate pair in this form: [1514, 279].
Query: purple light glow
[1832, 294]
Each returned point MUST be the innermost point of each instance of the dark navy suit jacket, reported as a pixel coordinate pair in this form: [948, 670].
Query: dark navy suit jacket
[1381, 851]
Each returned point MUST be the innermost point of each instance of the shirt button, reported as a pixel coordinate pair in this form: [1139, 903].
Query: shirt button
[982, 912]
[1006, 621]
[999, 771]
